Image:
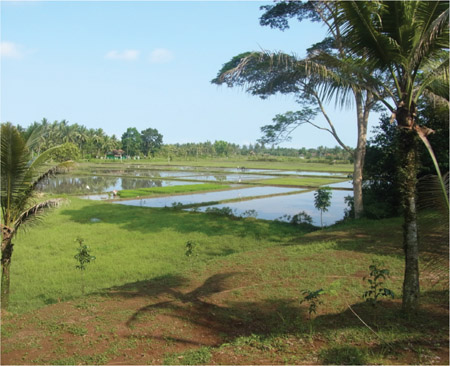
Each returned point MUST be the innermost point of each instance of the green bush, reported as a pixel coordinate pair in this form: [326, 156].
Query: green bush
[67, 151]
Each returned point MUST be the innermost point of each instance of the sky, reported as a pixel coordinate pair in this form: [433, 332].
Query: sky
[149, 64]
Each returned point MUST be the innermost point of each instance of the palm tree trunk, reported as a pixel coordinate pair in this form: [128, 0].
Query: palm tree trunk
[7, 248]
[408, 179]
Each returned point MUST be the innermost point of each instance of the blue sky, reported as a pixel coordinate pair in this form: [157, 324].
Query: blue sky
[142, 64]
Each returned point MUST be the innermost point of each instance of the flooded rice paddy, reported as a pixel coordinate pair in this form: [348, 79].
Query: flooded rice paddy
[98, 183]
[188, 199]
[272, 208]
[63, 184]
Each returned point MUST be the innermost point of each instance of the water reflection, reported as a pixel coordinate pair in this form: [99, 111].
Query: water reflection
[307, 173]
[63, 184]
[272, 208]
[346, 185]
[143, 173]
[236, 178]
[207, 197]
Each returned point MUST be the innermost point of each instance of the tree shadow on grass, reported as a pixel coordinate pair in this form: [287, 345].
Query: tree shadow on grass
[264, 319]
[151, 220]
[381, 237]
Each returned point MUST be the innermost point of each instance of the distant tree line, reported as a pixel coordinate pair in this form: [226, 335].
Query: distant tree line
[258, 151]
[81, 142]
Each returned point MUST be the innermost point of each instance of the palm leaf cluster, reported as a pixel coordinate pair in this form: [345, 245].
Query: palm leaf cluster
[19, 178]
[408, 40]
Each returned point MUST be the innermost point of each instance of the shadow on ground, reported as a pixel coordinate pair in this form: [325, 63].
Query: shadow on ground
[205, 307]
[151, 220]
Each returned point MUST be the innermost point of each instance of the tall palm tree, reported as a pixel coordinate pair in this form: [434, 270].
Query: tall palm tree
[19, 178]
[407, 41]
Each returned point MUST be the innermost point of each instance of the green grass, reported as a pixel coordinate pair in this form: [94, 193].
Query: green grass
[145, 192]
[232, 162]
[200, 356]
[301, 181]
[130, 244]
[244, 283]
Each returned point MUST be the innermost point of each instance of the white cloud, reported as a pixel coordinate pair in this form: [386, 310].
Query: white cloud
[11, 50]
[161, 56]
[127, 55]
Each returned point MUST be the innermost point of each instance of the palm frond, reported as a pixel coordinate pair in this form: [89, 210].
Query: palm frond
[431, 195]
[361, 23]
[35, 211]
[432, 21]
[435, 78]
[341, 77]
[36, 136]
[14, 168]
[256, 71]
[43, 158]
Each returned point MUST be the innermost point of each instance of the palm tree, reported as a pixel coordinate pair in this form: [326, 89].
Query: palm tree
[19, 177]
[408, 42]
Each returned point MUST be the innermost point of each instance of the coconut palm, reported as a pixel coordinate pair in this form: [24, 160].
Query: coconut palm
[408, 41]
[19, 177]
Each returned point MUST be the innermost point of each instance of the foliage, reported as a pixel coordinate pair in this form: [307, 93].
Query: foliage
[301, 218]
[90, 142]
[436, 117]
[349, 211]
[190, 248]
[250, 213]
[407, 43]
[19, 177]
[380, 172]
[67, 151]
[177, 205]
[131, 141]
[313, 299]
[322, 200]
[376, 279]
[83, 255]
[96, 143]
[151, 141]
[222, 211]
[221, 148]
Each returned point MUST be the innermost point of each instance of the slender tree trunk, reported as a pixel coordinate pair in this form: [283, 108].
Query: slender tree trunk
[7, 248]
[408, 178]
[363, 110]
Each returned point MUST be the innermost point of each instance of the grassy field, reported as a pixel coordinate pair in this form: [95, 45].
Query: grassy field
[130, 244]
[283, 164]
[156, 191]
[236, 300]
